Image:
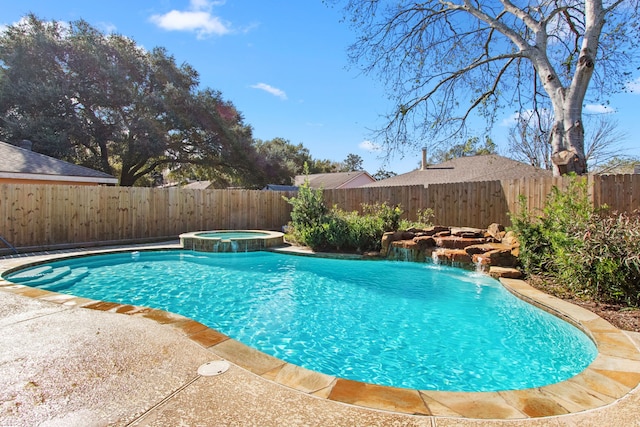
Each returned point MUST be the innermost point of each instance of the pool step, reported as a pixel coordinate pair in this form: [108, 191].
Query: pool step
[30, 274]
[49, 277]
[69, 280]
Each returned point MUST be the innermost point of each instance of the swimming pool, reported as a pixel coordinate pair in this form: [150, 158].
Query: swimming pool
[402, 324]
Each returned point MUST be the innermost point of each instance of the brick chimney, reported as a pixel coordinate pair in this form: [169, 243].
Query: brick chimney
[424, 158]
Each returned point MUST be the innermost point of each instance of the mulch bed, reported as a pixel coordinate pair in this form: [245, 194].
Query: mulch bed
[621, 316]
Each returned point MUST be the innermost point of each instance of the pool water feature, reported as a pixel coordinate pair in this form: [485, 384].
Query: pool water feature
[407, 325]
[231, 240]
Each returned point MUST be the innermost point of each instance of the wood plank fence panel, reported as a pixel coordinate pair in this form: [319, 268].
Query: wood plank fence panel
[621, 193]
[45, 215]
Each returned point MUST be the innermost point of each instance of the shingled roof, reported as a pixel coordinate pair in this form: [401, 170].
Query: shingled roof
[21, 164]
[333, 180]
[490, 167]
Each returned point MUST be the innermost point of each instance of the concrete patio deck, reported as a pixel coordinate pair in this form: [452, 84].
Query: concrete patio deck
[64, 365]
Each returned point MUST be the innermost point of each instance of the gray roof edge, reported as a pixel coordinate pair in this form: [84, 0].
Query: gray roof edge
[66, 168]
[72, 178]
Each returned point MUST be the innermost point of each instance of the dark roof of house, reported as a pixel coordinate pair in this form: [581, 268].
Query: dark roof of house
[20, 163]
[280, 187]
[330, 180]
[490, 167]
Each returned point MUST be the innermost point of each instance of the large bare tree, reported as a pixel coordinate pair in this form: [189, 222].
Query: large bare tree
[529, 139]
[450, 61]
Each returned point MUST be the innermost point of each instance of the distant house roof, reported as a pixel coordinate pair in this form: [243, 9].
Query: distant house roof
[335, 180]
[278, 187]
[20, 164]
[490, 167]
[199, 185]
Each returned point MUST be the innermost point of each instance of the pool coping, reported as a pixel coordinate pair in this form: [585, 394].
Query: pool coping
[613, 374]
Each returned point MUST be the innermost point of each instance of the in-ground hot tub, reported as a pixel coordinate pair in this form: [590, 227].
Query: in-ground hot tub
[231, 240]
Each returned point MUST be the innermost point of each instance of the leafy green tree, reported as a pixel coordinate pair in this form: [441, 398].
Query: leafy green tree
[469, 148]
[383, 174]
[276, 161]
[282, 160]
[104, 102]
[352, 163]
[324, 166]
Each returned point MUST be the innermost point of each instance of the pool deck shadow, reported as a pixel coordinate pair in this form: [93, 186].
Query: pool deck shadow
[73, 361]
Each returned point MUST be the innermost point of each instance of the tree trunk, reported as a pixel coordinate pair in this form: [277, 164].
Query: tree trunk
[567, 139]
[568, 136]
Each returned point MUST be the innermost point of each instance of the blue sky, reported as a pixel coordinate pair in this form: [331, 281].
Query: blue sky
[283, 64]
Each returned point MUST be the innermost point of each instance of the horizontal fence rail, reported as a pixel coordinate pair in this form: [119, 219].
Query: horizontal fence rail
[47, 216]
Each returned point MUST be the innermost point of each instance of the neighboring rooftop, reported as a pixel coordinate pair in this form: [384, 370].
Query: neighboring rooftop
[199, 185]
[490, 167]
[279, 187]
[23, 165]
[335, 180]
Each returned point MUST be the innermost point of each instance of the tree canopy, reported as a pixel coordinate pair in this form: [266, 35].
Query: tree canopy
[448, 62]
[471, 147]
[283, 161]
[352, 163]
[104, 102]
[276, 161]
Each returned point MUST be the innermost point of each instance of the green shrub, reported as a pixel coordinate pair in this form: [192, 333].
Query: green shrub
[547, 240]
[314, 225]
[585, 250]
[535, 247]
[336, 231]
[366, 232]
[389, 215]
[308, 207]
[606, 266]
[424, 220]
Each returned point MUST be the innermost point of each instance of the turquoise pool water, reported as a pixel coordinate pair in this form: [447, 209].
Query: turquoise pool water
[400, 324]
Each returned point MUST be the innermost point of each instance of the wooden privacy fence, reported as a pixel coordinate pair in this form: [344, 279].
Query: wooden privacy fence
[478, 204]
[47, 216]
[471, 204]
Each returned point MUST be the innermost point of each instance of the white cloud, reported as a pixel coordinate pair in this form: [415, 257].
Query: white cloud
[270, 89]
[510, 120]
[513, 119]
[529, 115]
[198, 18]
[107, 27]
[369, 146]
[634, 86]
[598, 109]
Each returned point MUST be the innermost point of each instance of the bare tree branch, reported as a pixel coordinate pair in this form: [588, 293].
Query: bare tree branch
[448, 61]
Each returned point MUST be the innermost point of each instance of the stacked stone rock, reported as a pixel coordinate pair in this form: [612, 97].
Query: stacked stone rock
[493, 250]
